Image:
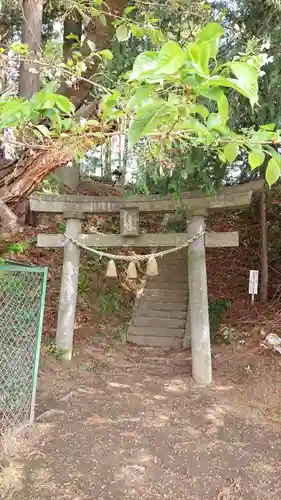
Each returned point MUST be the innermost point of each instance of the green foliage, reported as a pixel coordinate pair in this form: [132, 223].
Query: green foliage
[112, 302]
[17, 248]
[216, 310]
[172, 94]
[173, 87]
[24, 116]
[121, 334]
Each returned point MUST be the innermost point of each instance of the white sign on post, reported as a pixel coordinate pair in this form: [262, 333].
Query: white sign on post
[253, 284]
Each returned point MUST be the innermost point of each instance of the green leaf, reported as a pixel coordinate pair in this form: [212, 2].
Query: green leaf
[147, 119]
[71, 36]
[256, 159]
[221, 156]
[171, 58]
[144, 63]
[272, 172]
[249, 91]
[155, 35]
[103, 20]
[44, 131]
[106, 54]
[197, 128]
[140, 96]
[244, 72]
[129, 9]
[231, 152]
[67, 124]
[269, 126]
[137, 31]
[63, 103]
[223, 107]
[211, 31]
[199, 109]
[122, 33]
[212, 34]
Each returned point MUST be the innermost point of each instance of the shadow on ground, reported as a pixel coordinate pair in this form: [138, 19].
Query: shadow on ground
[128, 423]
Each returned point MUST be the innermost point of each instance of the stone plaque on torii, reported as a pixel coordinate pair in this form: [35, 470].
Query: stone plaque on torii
[74, 209]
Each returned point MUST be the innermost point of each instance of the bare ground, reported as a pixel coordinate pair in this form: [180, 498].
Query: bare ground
[124, 423]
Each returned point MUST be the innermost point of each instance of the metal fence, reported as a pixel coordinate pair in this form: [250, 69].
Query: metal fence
[22, 298]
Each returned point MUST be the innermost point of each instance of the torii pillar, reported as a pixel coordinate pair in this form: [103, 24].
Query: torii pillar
[198, 310]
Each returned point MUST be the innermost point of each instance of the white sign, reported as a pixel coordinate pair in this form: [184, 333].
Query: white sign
[253, 283]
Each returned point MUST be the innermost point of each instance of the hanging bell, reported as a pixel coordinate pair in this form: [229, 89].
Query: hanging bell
[152, 267]
[132, 271]
[111, 269]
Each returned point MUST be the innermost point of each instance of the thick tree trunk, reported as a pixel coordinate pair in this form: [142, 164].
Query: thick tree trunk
[31, 35]
[27, 172]
[101, 35]
[264, 251]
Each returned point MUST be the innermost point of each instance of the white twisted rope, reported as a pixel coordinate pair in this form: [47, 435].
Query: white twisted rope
[135, 258]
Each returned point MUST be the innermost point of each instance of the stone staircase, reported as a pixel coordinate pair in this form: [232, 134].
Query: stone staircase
[160, 313]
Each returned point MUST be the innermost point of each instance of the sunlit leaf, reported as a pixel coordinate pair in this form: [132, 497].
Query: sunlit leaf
[63, 103]
[171, 58]
[198, 109]
[146, 120]
[122, 33]
[145, 62]
[128, 10]
[272, 172]
[140, 96]
[244, 72]
[106, 54]
[256, 159]
[44, 131]
[268, 126]
[137, 31]
[223, 107]
[210, 31]
[231, 152]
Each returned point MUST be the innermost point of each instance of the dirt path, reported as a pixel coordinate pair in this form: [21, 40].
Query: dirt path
[122, 423]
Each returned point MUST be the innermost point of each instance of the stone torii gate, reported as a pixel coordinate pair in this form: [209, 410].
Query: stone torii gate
[74, 209]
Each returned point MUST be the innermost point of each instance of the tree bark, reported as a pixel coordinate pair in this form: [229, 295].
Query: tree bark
[264, 249]
[31, 35]
[101, 35]
[71, 26]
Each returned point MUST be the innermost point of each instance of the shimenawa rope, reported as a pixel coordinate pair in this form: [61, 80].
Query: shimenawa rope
[135, 258]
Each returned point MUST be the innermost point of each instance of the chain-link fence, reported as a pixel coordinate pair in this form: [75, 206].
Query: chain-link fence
[22, 298]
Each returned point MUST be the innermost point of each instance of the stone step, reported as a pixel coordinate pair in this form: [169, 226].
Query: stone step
[156, 305]
[172, 285]
[155, 313]
[170, 271]
[164, 342]
[156, 332]
[141, 321]
[155, 292]
[168, 278]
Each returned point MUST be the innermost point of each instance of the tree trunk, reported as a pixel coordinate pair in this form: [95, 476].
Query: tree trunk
[264, 252]
[71, 26]
[101, 36]
[20, 178]
[72, 33]
[31, 35]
